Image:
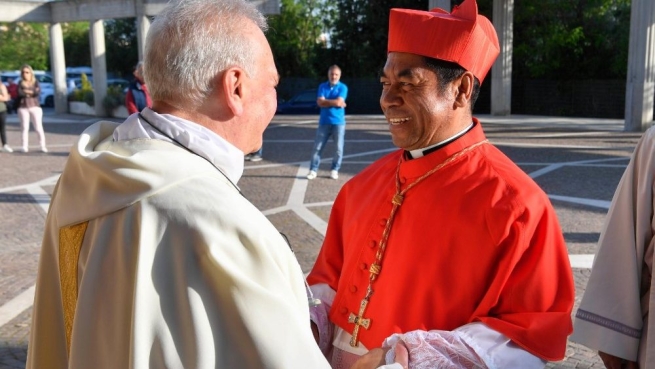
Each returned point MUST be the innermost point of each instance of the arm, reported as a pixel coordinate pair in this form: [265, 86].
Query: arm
[472, 345]
[328, 103]
[4, 95]
[614, 295]
[129, 102]
[322, 328]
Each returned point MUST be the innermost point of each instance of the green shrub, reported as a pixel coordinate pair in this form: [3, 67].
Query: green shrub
[115, 98]
[83, 94]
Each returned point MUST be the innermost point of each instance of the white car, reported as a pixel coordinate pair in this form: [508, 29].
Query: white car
[47, 97]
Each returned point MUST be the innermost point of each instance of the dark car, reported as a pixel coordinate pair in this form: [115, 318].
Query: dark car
[302, 103]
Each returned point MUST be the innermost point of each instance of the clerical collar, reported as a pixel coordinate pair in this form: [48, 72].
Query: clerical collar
[418, 153]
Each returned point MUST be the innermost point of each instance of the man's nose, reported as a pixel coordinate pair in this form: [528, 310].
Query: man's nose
[390, 98]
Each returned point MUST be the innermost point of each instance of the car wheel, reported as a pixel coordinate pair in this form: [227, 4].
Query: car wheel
[50, 101]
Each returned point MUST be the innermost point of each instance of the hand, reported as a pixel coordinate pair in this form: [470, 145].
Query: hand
[371, 360]
[402, 354]
[613, 362]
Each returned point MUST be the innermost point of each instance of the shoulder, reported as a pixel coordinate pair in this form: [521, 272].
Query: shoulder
[383, 169]
[510, 187]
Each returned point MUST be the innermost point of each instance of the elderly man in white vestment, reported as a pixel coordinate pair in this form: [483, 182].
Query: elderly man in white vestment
[613, 317]
[152, 258]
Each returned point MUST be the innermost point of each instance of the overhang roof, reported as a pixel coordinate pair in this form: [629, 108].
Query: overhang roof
[58, 11]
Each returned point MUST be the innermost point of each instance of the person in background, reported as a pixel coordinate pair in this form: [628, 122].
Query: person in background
[4, 100]
[444, 246]
[614, 314]
[12, 88]
[255, 156]
[332, 121]
[151, 255]
[137, 97]
[29, 107]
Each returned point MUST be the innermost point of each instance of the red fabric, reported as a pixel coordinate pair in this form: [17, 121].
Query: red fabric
[129, 100]
[476, 241]
[12, 88]
[461, 37]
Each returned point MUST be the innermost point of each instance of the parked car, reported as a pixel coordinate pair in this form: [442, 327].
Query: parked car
[302, 103]
[5, 75]
[120, 82]
[47, 97]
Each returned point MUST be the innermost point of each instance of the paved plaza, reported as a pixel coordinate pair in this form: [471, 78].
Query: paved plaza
[578, 163]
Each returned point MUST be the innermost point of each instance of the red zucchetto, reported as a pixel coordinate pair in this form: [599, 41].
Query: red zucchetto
[462, 37]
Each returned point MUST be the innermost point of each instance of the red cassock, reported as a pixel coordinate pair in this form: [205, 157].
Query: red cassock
[477, 241]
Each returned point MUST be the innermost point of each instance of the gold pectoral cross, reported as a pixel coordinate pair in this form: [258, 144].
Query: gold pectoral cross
[359, 321]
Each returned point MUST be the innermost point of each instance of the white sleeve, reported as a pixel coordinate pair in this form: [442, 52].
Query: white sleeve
[319, 315]
[471, 346]
[496, 349]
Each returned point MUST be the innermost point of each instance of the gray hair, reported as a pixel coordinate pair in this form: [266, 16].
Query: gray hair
[191, 42]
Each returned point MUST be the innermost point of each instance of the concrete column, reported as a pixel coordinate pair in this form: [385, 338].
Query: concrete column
[142, 27]
[501, 71]
[640, 81]
[443, 4]
[58, 66]
[99, 64]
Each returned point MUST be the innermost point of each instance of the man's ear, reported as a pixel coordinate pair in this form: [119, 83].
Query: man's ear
[232, 83]
[464, 89]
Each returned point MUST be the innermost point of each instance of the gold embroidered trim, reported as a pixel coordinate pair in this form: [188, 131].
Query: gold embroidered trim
[70, 243]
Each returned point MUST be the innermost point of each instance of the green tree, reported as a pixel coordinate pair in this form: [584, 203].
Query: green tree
[122, 46]
[580, 39]
[76, 43]
[361, 33]
[295, 35]
[22, 43]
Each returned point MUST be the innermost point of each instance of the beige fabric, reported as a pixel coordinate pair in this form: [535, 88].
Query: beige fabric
[613, 313]
[176, 270]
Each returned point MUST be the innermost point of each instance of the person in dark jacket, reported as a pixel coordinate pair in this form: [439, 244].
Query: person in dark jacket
[137, 96]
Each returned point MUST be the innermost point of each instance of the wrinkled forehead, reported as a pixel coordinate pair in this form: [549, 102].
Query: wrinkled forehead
[401, 64]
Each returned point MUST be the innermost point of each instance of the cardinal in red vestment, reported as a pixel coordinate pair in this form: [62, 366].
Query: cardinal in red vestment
[444, 251]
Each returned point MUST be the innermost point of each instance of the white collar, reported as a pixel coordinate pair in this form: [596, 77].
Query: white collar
[419, 153]
[199, 139]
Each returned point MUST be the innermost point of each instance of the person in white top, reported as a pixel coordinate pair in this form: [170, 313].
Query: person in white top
[152, 257]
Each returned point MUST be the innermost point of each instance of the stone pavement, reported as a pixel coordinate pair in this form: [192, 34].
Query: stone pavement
[578, 162]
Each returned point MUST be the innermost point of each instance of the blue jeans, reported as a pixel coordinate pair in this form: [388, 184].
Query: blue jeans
[323, 133]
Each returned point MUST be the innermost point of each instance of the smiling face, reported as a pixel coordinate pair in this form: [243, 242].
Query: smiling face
[419, 115]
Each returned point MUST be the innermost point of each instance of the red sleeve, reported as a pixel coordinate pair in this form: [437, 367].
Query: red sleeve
[534, 306]
[129, 103]
[329, 262]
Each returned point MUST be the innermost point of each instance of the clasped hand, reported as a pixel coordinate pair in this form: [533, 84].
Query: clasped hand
[375, 357]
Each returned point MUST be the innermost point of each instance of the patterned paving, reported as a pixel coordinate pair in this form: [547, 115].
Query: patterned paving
[578, 162]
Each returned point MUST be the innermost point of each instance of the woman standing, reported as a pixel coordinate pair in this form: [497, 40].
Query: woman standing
[29, 107]
[4, 98]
